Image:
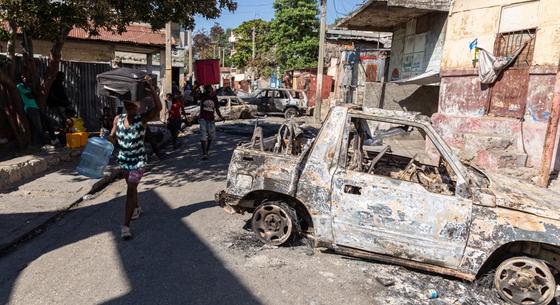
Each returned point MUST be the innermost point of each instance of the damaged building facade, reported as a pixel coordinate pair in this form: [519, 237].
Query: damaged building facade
[434, 69]
[355, 58]
[411, 76]
[502, 124]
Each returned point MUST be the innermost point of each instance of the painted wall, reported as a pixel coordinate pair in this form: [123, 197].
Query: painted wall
[74, 50]
[470, 19]
[465, 102]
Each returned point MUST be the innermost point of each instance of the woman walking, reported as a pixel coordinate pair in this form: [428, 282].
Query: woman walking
[129, 130]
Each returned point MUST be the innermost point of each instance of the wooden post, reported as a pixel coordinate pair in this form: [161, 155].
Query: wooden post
[253, 57]
[189, 38]
[551, 132]
[318, 94]
[149, 59]
[168, 86]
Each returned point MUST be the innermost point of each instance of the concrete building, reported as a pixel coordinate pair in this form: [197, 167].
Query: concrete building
[354, 58]
[138, 39]
[497, 125]
[502, 124]
[418, 29]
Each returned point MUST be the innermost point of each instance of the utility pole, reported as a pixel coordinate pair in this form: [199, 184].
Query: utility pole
[189, 38]
[254, 44]
[168, 60]
[317, 111]
[254, 55]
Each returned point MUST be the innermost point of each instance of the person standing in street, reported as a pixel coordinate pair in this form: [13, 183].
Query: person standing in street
[208, 106]
[36, 116]
[129, 131]
[168, 101]
[58, 99]
[174, 119]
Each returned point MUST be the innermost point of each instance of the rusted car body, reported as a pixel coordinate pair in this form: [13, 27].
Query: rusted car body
[447, 218]
[231, 108]
[288, 102]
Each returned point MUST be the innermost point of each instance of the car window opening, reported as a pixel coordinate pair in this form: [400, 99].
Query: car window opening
[400, 152]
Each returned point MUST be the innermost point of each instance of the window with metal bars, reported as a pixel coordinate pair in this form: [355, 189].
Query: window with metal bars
[507, 43]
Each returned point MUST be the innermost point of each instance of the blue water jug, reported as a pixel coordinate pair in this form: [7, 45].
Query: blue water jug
[95, 157]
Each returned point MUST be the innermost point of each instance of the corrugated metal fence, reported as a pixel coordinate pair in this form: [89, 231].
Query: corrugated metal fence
[80, 86]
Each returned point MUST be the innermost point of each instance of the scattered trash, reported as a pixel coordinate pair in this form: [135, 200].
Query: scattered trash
[432, 294]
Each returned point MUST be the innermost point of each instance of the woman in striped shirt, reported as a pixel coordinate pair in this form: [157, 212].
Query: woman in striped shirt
[128, 130]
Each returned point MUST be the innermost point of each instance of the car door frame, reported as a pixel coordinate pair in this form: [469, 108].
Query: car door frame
[263, 102]
[393, 224]
[281, 103]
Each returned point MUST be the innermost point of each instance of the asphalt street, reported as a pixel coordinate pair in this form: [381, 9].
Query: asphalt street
[186, 250]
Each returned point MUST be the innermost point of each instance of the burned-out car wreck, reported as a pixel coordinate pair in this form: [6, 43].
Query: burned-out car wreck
[383, 185]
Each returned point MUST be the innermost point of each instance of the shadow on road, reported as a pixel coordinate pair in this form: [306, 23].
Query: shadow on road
[166, 262]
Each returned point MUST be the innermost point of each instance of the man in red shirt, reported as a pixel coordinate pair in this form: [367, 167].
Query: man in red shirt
[208, 106]
[174, 119]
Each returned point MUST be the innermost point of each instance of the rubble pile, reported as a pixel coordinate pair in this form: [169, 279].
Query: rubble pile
[406, 287]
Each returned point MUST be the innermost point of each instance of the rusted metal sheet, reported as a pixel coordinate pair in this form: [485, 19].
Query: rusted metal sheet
[325, 93]
[509, 94]
[80, 83]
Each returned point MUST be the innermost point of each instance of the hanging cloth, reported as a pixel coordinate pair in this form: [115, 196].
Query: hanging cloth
[490, 66]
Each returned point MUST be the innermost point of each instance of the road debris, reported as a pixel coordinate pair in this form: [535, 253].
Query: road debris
[385, 281]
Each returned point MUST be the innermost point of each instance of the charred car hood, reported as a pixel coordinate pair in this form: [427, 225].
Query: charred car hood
[515, 194]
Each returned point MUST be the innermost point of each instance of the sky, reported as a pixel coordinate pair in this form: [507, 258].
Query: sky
[251, 9]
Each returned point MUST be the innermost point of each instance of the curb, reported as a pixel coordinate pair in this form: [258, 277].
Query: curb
[21, 168]
[36, 229]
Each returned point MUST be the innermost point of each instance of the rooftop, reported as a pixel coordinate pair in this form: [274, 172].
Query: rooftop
[136, 34]
[384, 15]
[368, 36]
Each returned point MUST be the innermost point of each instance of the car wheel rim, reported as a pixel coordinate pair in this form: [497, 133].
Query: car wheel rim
[272, 225]
[525, 281]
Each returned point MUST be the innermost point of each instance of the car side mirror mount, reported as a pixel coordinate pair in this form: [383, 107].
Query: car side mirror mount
[484, 197]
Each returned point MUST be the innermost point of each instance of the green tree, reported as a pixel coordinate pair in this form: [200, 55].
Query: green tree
[243, 54]
[53, 20]
[295, 33]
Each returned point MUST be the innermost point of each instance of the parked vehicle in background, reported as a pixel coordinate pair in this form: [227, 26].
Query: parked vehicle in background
[231, 107]
[384, 185]
[287, 102]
